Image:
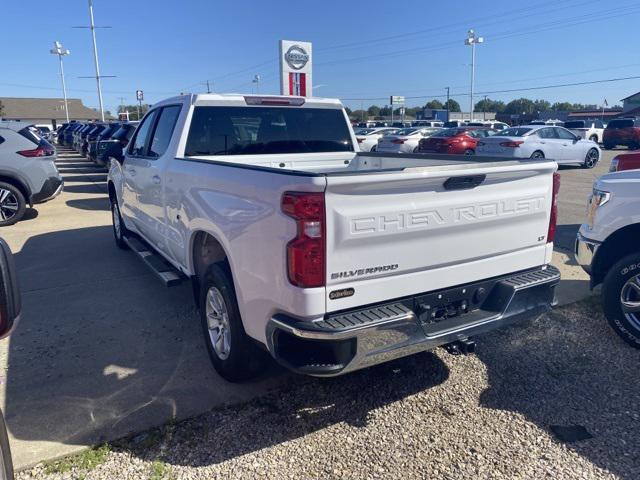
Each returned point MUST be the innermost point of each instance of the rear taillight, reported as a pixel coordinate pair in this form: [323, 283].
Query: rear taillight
[553, 218]
[306, 252]
[514, 144]
[360, 140]
[398, 141]
[41, 151]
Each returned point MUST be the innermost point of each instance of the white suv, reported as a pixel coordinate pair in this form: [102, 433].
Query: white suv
[28, 173]
[588, 129]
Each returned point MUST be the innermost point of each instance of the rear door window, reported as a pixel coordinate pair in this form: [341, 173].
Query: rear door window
[30, 135]
[267, 130]
[164, 130]
[564, 134]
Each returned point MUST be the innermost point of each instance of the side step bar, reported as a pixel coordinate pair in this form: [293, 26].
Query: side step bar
[165, 272]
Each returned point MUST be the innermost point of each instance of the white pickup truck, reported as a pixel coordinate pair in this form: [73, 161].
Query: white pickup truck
[328, 258]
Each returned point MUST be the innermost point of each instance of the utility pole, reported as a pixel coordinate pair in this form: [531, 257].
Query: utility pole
[61, 52]
[208, 88]
[447, 104]
[98, 77]
[472, 39]
[256, 80]
[484, 108]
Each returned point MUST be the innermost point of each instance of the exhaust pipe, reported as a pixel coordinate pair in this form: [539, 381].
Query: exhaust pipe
[463, 346]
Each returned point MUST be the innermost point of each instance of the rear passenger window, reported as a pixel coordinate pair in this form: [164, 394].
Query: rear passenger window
[138, 147]
[164, 130]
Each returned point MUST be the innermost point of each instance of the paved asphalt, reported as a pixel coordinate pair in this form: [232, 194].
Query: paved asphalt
[102, 349]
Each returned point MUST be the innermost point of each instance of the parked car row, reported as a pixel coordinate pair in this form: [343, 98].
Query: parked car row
[99, 142]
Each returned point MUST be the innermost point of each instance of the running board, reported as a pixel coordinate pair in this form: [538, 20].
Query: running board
[165, 272]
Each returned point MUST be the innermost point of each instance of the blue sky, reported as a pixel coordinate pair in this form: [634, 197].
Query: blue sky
[367, 50]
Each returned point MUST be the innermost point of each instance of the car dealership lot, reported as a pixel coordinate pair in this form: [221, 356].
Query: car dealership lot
[82, 367]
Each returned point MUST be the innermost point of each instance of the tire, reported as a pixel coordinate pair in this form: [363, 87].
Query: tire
[537, 154]
[622, 283]
[469, 151]
[12, 204]
[6, 466]
[591, 159]
[594, 138]
[233, 354]
[119, 230]
[374, 148]
[416, 150]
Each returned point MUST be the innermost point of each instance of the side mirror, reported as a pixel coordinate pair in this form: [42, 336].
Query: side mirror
[10, 304]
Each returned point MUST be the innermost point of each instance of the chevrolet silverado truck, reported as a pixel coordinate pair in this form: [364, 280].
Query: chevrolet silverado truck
[607, 248]
[328, 258]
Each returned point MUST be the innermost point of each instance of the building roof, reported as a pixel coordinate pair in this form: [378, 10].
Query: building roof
[14, 108]
[595, 114]
[625, 98]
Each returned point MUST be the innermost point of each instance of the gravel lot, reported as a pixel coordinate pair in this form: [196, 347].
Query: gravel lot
[488, 415]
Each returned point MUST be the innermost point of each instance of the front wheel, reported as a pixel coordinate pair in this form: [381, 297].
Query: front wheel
[621, 299]
[594, 138]
[591, 159]
[233, 354]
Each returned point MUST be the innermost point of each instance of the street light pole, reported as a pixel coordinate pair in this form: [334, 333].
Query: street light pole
[95, 58]
[60, 51]
[447, 104]
[472, 39]
[256, 80]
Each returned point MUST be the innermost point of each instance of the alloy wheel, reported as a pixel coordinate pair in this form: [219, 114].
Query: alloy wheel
[218, 323]
[115, 214]
[630, 300]
[592, 158]
[8, 204]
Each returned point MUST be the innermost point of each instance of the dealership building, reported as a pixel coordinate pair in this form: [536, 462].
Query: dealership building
[45, 111]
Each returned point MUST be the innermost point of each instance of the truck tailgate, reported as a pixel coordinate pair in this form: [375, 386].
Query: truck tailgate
[393, 234]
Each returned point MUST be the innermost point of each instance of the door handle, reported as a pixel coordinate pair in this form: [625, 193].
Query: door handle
[155, 179]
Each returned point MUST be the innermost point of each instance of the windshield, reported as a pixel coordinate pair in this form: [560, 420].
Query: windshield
[407, 131]
[575, 124]
[515, 132]
[267, 130]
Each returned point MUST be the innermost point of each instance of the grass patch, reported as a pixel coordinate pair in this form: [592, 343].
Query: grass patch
[160, 471]
[84, 461]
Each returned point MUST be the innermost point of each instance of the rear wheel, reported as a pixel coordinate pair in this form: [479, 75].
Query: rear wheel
[594, 138]
[233, 354]
[621, 299]
[374, 148]
[12, 204]
[591, 159]
[537, 154]
[469, 151]
[119, 230]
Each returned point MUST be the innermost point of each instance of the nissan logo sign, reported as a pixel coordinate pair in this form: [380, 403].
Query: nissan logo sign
[296, 57]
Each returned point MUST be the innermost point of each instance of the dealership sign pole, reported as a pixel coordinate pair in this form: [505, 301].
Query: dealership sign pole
[295, 68]
[472, 39]
[140, 98]
[397, 100]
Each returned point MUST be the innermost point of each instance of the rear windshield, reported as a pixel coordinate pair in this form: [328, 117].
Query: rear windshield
[29, 134]
[575, 124]
[515, 132]
[267, 130]
[622, 123]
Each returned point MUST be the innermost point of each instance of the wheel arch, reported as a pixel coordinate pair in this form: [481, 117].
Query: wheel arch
[205, 249]
[619, 244]
[19, 184]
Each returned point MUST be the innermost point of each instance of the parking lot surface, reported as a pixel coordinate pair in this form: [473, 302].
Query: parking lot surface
[103, 350]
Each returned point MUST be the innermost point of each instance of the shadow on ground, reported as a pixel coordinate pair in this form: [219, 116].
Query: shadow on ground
[570, 369]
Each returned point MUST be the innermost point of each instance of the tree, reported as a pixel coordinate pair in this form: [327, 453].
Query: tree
[133, 110]
[385, 111]
[360, 115]
[1, 109]
[453, 105]
[489, 105]
[519, 106]
[541, 105]
[373, 110]
[434, 104]
[349, 111]
[562, 106]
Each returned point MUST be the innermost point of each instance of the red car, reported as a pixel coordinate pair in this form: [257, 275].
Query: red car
[622, 131]
[459, 140]
[629, 161]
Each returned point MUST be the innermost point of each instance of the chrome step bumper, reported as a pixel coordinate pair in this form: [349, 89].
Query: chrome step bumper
[347, 341]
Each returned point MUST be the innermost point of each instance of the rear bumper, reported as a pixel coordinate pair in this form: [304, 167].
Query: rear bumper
[354, 339]
[51, 188]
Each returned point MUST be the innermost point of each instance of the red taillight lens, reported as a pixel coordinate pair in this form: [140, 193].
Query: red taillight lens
[514, 144]
[41, 151]
[398, 141]
[306, 253]
[553, 219]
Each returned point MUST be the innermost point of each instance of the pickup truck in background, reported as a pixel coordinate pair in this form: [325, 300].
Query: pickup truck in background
[607, 247]
[328, 258]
